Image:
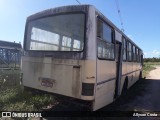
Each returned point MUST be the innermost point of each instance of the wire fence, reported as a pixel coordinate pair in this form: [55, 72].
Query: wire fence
[9, 77]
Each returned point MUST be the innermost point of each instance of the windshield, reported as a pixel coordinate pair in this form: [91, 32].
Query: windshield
[56, 33]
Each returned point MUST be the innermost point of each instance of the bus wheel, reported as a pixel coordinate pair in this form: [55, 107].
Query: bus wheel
[125, 85]
[140, 75]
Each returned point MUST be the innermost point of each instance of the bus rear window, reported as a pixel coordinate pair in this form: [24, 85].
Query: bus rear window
[56, 33]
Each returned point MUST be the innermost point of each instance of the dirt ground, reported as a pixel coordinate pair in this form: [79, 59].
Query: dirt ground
[154, 74]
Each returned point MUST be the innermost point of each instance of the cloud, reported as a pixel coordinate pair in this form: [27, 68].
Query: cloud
[131, 37]
[153, 53]
[156, 52]
[145, 53]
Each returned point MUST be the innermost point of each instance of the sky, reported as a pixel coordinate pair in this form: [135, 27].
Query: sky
[141, 19]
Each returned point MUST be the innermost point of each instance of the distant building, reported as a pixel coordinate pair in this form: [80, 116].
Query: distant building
[10, 54]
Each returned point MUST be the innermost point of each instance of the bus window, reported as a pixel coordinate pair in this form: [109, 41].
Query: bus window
[134, 53]
[140, 53]
[66, 44]
[76, 45]
[43, 39]
[99, 28]
[100, 48]
[124, 49]
[105, 41]
[107, 33]
[137, 57]
[104, 31]
[56, 33]
[129, 50]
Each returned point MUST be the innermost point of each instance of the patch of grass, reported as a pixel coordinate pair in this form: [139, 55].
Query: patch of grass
[152, 63]
[148, 66]
[14, 98]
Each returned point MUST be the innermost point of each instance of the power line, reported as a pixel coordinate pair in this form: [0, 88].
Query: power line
[119, 14]
[78, 2]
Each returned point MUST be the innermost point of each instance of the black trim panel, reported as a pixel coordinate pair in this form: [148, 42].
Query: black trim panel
[131, 72]
[104, 81]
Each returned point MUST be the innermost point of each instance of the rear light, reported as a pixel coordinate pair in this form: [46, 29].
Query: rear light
[87, 89]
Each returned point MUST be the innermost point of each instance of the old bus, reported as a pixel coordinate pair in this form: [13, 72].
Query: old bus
[75, 51]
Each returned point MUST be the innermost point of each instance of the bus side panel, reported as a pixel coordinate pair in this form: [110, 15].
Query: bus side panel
[129, 73]
[123, 77]
[138, 68]
[105, 89]
[135, 77]
[132, 79]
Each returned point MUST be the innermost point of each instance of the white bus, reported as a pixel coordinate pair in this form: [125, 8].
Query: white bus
[76, 52]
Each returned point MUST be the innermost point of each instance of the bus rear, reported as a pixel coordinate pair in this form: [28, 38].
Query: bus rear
[56, 58]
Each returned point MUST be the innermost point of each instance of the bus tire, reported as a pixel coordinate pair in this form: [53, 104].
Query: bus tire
[140, 75]
[125, 86]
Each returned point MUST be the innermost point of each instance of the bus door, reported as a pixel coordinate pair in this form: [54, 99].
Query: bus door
[118, 68]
